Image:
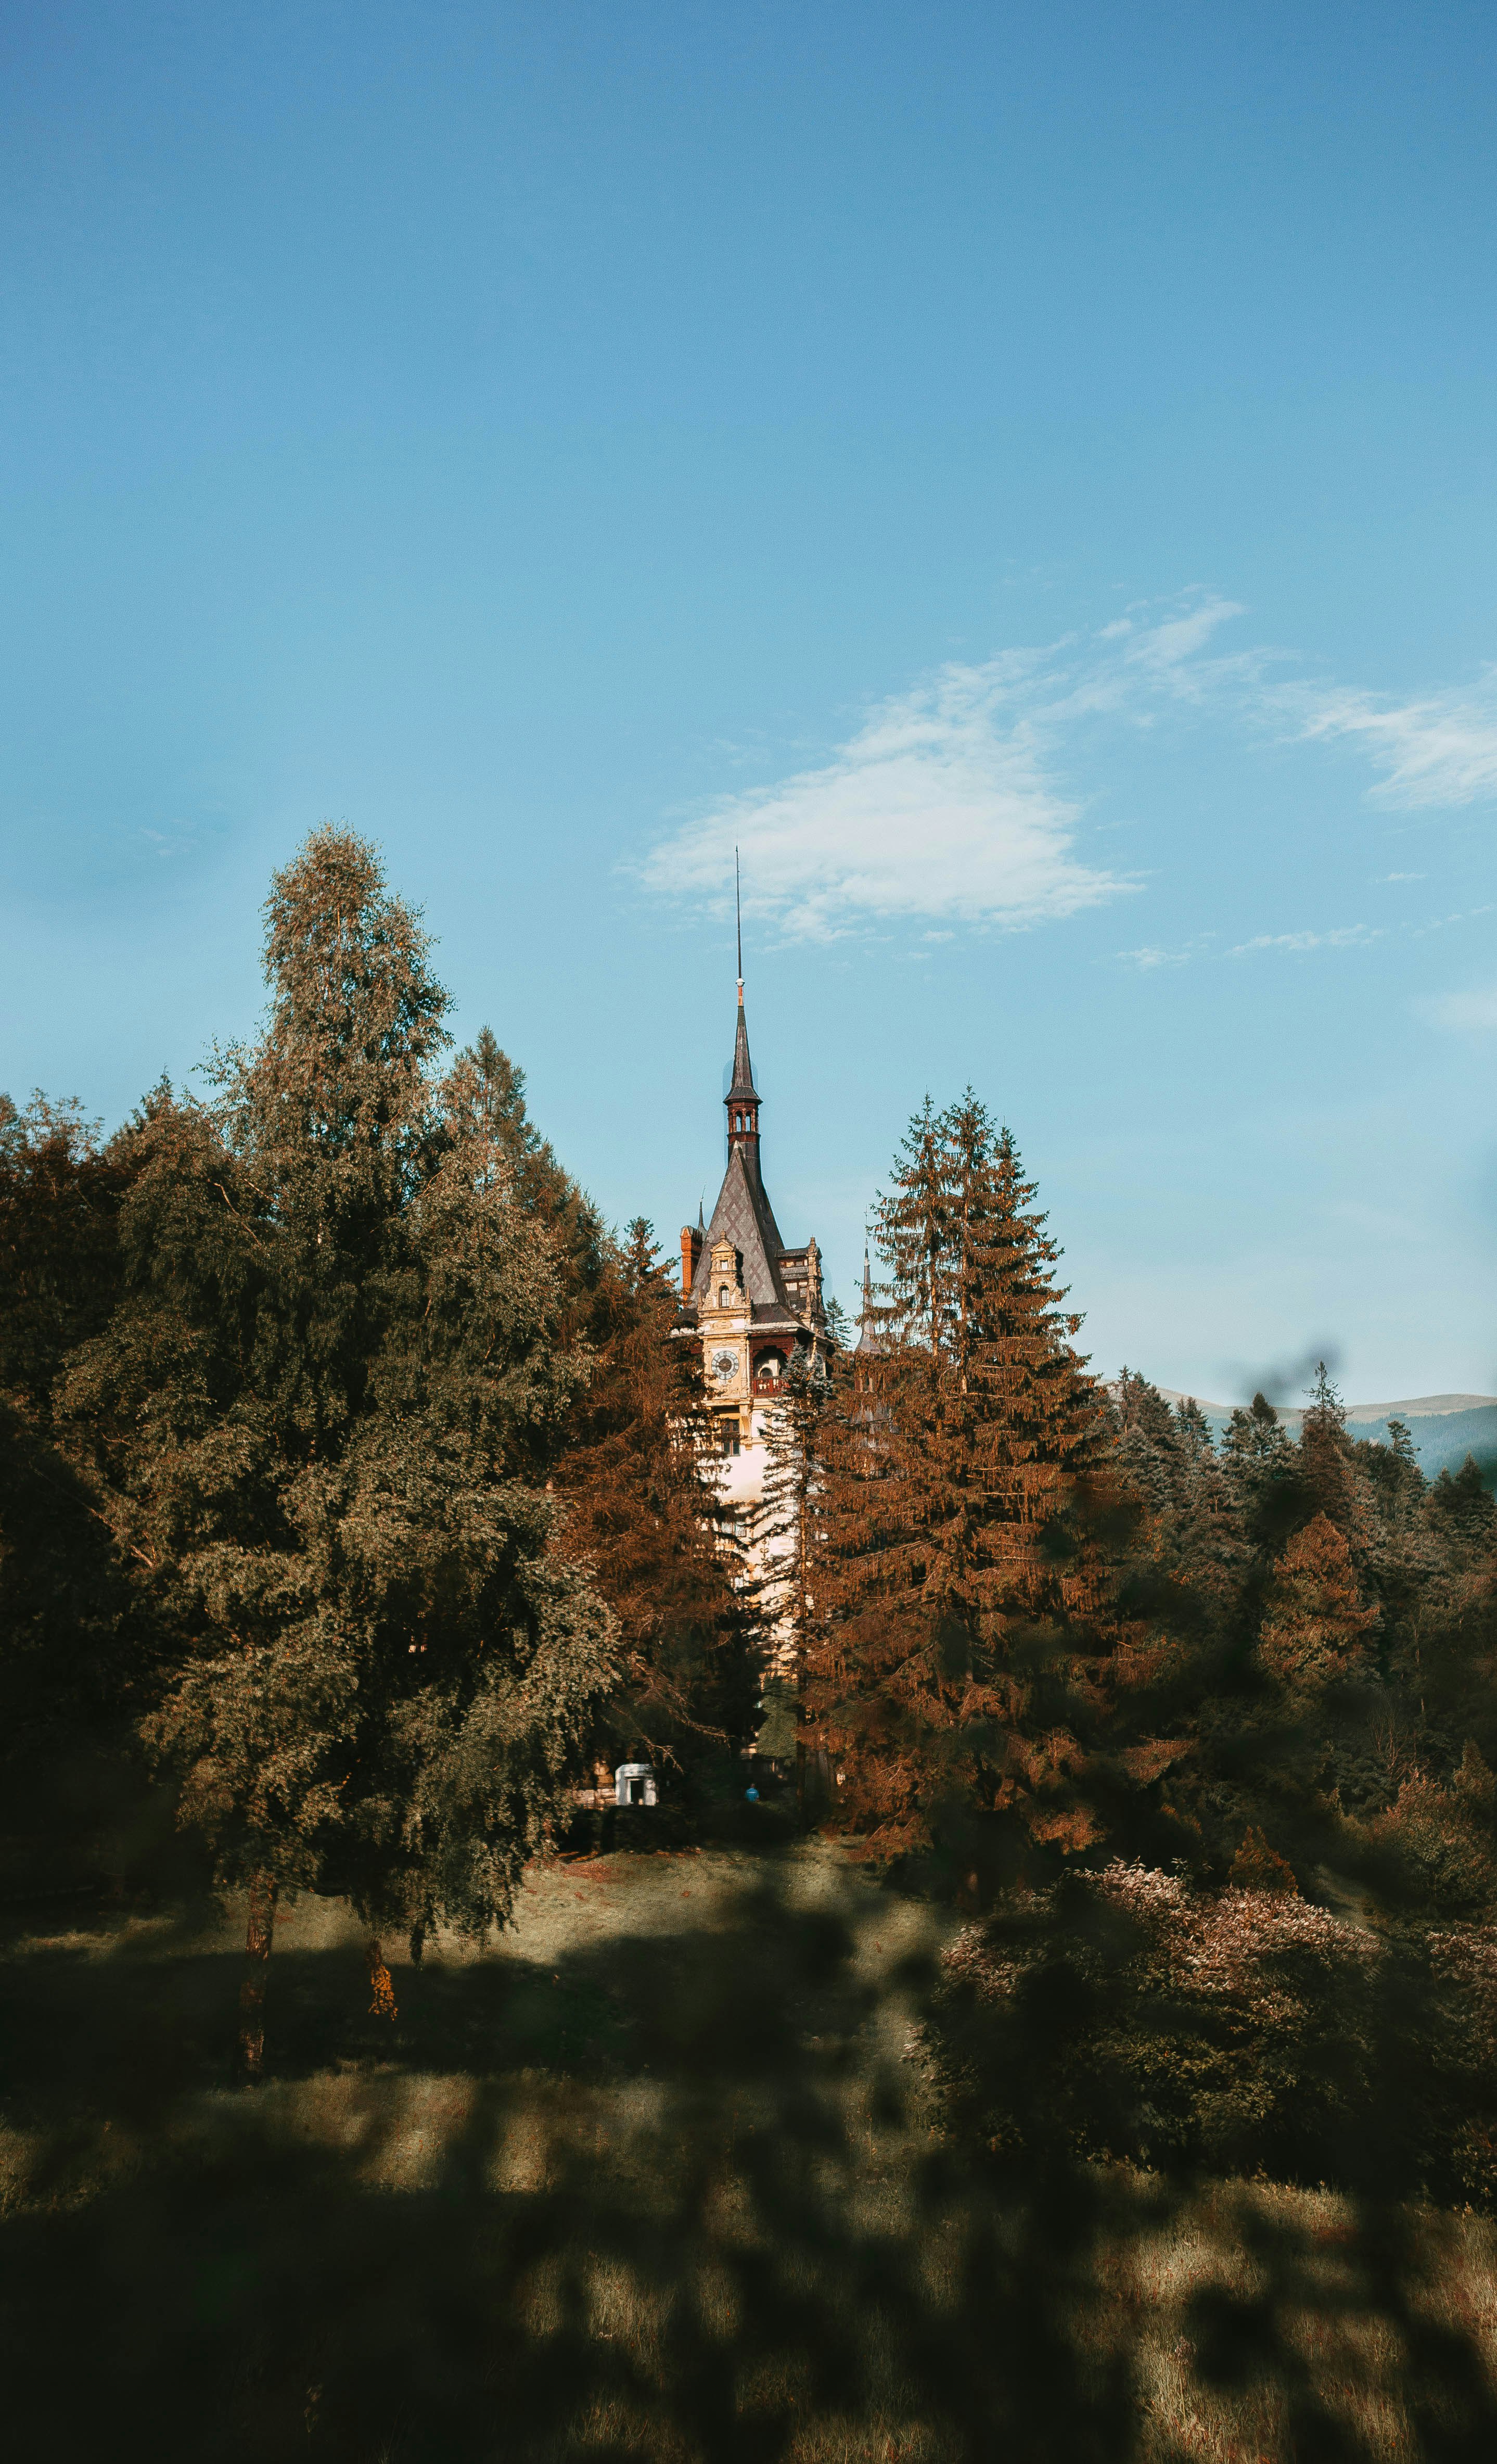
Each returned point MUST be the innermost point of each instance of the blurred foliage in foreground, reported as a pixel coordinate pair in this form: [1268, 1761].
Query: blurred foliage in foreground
[666, 2192]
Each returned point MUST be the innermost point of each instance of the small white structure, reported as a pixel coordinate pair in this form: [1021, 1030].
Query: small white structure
[634, 1784]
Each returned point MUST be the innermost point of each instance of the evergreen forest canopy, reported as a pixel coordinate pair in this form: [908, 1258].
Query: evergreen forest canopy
[357, 1508]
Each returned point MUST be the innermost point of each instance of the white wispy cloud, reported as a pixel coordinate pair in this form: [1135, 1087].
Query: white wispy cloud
[1153, 955]
[953, 804]
[948, 802]
[1466, 1013]
[1462, 916]
[1345, 937]
[1150, 957]
[1438, 750]
[942, 804]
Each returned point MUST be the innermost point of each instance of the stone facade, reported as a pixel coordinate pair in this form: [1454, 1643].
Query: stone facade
[750, 1302]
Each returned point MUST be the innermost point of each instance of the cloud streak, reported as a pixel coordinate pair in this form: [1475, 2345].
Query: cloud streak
[950, 804]
[943, 806]
[1471, 1013]
[947, 803]
[1345, 937]
[1438, 751]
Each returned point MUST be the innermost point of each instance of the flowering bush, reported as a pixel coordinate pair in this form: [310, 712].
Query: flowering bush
[1126, 2015]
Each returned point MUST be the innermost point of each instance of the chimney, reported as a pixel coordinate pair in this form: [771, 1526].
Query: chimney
[690, 1257]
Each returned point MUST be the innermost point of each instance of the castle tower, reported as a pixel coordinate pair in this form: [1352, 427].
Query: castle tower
[753, 1304]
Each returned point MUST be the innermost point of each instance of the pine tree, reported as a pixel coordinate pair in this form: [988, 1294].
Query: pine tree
[1194, 1533]
[1149, 1450]
[64, 1645]
[1261, 1471]
[483, 1100]
[1316, 1624]
[1461, 1509]
[325, 1413]
[1193, 1432]
[951, 1677]
[1324, 1452]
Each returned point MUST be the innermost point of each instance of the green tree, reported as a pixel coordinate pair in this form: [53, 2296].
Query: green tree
[324, 1412]
[1464, 1512]
[68, 1787]
[483, 1101]
[1261, 1471]
[1149, 1451]
[1325, 1453]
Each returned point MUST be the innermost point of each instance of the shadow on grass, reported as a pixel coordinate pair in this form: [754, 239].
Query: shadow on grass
[126, 2028]
[660, 2199]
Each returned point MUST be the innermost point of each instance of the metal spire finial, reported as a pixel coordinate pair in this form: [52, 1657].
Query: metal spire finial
[738, 911]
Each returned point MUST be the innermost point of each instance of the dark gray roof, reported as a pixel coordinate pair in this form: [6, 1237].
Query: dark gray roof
[743, 1215]
[743, 1067]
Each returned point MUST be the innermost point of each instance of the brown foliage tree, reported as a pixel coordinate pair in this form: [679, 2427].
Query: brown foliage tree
[644, 1517]
[1315, 1622]
[957, 1665]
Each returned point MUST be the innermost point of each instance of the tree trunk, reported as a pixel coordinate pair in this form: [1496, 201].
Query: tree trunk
[382, 2007]
[418, 1941]
[258, 1934]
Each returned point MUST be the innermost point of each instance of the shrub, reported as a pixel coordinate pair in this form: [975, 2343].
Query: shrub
[1126, 2015]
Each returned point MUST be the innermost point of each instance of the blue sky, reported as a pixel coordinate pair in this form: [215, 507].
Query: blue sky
[1028, 477]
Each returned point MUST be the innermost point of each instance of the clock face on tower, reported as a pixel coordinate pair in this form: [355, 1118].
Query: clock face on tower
[725, 1365]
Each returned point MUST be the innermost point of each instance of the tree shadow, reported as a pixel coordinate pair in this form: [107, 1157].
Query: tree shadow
[663, 2197]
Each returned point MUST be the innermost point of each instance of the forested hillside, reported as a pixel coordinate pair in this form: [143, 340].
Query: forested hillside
[1440, 1439]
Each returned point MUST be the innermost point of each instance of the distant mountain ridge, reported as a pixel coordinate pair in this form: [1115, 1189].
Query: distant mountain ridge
[1417, 1407]
[1443, 1429]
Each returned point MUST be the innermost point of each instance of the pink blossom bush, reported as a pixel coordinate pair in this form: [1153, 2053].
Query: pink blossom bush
[1128, 2015]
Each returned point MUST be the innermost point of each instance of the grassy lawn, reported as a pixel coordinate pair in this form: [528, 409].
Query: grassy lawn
[649, 2176]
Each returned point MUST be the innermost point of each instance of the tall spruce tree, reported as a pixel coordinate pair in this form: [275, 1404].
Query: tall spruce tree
[1324, 1452]
[325, 1414]
[64, 1650]
[955, 1673]
[483, 1099]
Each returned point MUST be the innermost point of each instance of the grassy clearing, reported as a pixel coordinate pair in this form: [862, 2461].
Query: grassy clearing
[649, 2176]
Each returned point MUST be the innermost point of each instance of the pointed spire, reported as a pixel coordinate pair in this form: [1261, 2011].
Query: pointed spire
[743, 1067]
[868, 1335]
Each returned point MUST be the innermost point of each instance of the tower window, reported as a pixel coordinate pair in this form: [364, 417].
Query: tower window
[721, 1296]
